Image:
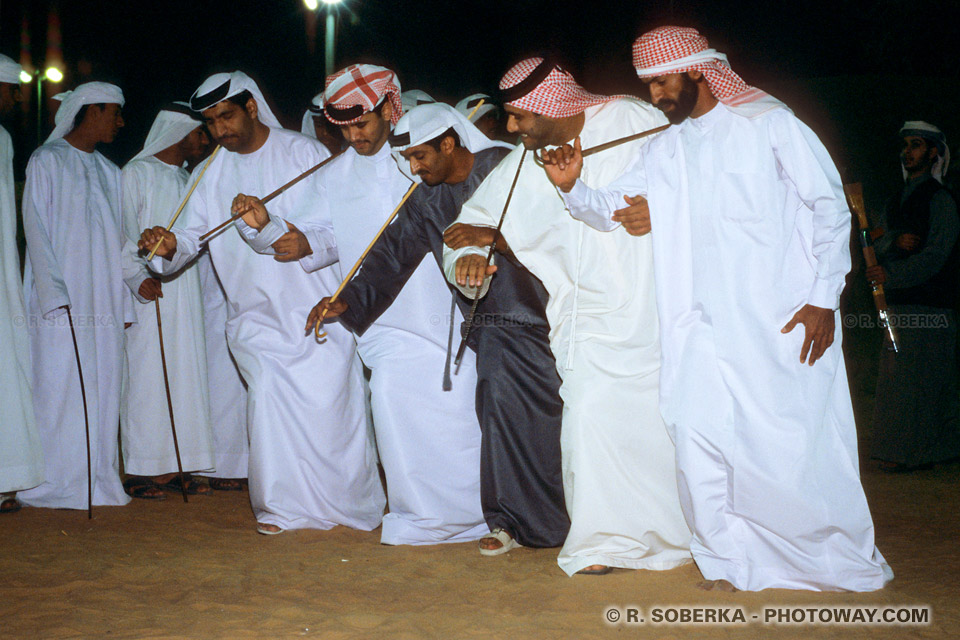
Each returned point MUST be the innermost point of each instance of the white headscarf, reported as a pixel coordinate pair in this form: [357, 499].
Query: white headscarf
[72, 101]
[467, 105]
[169, 127]
[428, 121]
[935, 135]
[314, 110]
[414, 98]
[9, 70]
[221, 86]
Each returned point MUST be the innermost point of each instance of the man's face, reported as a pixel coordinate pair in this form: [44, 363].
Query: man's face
[195, 146]
[327, 137]
[431, 165]
[368, 134]
[917, 155]
[107, 121]
[674, 94]
[9, 98]
[536, 131]
[233, 127]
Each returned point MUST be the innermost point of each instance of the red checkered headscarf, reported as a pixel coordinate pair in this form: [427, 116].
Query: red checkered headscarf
[358, 89]
[669, 50]
[544, 88]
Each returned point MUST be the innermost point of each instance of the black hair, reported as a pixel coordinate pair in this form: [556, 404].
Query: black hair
[241, 99]
[78, 119]
[449, 133]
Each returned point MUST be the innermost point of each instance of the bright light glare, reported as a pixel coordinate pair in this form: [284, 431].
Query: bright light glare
[332, 1]
[53, 74]
[311, 4]
[25, 77]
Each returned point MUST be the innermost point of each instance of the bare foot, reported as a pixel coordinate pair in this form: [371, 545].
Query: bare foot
[596, 570]
[489, 543]
[268, 529]
[717, 585]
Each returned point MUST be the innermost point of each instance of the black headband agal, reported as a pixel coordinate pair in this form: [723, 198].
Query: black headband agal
[338, 114]
[181, 108]
[315, 110]
[399, 140]
[207, 100]
[529, 83]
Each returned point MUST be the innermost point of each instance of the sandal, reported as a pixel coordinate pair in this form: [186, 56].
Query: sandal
[225, 484]
[10, 505]
[143, 488]
[263, 530]
[503, 537]
[194, 488]
[602, 571]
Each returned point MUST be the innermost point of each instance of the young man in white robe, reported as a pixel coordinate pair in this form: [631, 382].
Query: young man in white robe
[428, 439]
[21, 459]
[619, 475]
[153, 183]
[311, 464]
[750, 231]
[71, 219]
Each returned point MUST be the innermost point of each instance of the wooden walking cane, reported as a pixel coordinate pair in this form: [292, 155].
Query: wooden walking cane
[353, 270]
[86, 417]
[333, 298]
[184, 203]
[209, 234]
[166, 384]
[854, 193]
[476, 298]
[613, 143]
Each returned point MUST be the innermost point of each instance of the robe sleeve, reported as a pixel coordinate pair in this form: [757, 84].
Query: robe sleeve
[318, 228]
[37, 203]
[806, 165]
[388, 266]
[131, 204]
[595, 207]
[192, 223]
[919, 267]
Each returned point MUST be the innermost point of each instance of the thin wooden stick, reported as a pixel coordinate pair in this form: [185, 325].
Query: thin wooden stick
[353, 270]
[184, 203]
[166, 384]
[610, 145]
[235, 217]
[476, 108]
[86, 416]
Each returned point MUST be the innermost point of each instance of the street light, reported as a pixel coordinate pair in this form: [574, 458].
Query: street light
[331, 27]
[53, 75]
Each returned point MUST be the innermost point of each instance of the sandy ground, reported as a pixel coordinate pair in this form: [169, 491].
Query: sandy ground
[199, 570]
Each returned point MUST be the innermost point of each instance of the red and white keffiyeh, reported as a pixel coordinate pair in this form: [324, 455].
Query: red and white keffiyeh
[358, 89]
[544, 88]
[669, 50]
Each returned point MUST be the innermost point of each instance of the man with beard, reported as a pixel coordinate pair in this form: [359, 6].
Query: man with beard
[916, 401]
[21, 460]
[750, 232]
[428, 438]
[517, 398]
[619, 477]
[311, 464]
[72, 277]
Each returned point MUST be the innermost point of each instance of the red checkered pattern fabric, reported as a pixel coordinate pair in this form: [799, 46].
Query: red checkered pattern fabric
[364, 85]
[663, 45]
[557, 96]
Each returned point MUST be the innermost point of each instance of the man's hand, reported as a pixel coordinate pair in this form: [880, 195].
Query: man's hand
[150, 289]
[150, 237]
[292, 245]
[819, 325]
[462, 235]
[256, 214]
[472, 269]
[563, 165]
[635, 218]
[325, 309]
[907, 241]
[876, 274]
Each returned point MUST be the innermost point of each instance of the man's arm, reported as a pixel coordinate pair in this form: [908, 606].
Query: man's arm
[927, 262]
[48, 279]
[134, 267]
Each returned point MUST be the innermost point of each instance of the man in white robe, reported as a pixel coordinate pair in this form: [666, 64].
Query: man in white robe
[21, 459]
[750, 235]
[311, 464]
[428, 439]
[71, 218]
[153, 183]
[619, 475]
[315, 125]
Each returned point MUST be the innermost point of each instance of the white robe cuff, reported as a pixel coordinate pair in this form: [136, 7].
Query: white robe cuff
[587, 206]
[262, 241]
[825, 293]
[323, 245]
[450, 258]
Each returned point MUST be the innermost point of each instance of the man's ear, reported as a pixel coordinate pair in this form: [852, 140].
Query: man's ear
[695, 75]
[252, 109]
[387, 111]
[447, 145]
